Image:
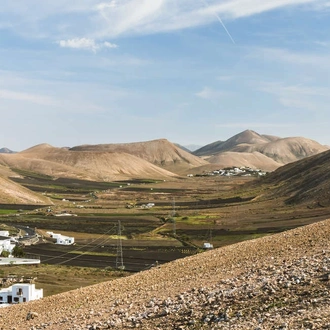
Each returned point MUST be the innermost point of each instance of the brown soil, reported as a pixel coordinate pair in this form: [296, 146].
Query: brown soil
[260, 283]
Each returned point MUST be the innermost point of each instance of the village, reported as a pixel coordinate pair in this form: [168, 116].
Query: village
[234, 171]
[13, 289]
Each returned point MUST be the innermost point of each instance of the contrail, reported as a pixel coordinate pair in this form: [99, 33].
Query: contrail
[220, 20]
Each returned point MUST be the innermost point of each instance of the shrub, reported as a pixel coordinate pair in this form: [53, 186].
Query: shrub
[5, 254]
[18, 252]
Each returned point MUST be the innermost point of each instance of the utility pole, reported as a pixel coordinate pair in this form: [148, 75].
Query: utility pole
[119, 257]
[173, 217]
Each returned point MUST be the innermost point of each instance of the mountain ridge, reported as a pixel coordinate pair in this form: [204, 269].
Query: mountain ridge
[61, 162]
[280, 150]
[161, 158]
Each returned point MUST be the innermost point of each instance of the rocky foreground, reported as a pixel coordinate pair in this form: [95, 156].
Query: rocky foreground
[276, 282]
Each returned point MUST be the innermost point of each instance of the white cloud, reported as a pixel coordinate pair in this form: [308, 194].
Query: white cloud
[225, 78]
[293, 58]
[322, 43]
[26, 97]
[85, 43]
[309, 98]
[151, 16]
[298, 103]
[298, 90]
[105, 5]
[113, 18]
[208, 93]
[107, 44]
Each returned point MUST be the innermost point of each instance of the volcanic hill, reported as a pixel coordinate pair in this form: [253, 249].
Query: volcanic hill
[90, 165]
[279, 151]
[160, 152]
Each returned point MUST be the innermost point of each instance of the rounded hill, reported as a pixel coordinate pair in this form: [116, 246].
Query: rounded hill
[90, 165]
[160, 152]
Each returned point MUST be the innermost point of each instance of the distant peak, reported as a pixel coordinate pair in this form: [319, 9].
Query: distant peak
[5, 150]
[250, 131]
[42, 146]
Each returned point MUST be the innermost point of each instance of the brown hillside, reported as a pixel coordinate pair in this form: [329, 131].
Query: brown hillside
[37, 165]
[286, 150]
[61, 162]
[275, 282]
[278, 151]
[254, 160]
[159, 152]
[247, 137]
[270, 137]
[6, 172]
[13, 193]
[304, 181]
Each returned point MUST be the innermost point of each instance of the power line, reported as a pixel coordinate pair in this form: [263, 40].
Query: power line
[83, 246]
[119, 257]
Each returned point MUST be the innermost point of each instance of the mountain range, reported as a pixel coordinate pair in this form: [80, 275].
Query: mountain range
[157, 159]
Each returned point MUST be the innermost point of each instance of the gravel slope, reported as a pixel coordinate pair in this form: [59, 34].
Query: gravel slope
[275, 282]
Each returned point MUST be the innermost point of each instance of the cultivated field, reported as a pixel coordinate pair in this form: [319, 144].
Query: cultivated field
[187, 212]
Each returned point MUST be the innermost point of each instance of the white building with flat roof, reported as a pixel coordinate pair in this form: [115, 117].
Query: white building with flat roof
[61, 239]
[19, 293]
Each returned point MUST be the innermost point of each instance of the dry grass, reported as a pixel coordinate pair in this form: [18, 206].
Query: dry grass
[54, 279]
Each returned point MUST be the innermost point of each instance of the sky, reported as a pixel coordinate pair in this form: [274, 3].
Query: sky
[191, 71]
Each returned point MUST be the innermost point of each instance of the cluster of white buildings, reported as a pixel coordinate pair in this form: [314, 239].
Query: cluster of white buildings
[19, 293]
[235, 171]
[61, 239]
[243, 171]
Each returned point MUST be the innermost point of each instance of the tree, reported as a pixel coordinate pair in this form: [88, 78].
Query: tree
[18, 252]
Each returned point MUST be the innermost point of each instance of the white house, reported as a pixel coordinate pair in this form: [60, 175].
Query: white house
[207, 246]
[6, 244]
[19, 293]
[61, 239]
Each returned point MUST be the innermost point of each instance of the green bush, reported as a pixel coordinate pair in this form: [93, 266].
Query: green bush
[18, 252]
[5, 254]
